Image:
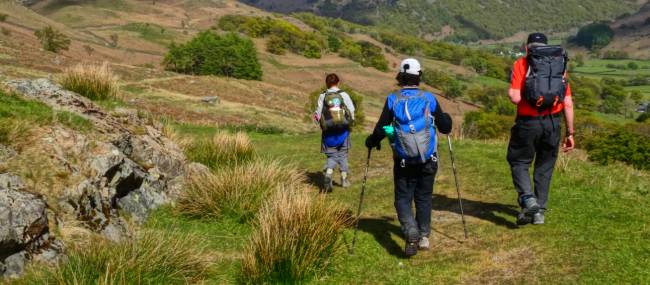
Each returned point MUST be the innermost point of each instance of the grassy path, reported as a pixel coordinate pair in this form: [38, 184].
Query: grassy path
[597, 229]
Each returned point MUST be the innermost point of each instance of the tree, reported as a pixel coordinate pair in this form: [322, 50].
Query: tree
[208, 53]
[114, 39]
[594, 36]
[52, 40]
[632, 65]
[636, 96]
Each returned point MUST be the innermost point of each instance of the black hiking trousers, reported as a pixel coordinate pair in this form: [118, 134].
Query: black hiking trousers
[414, 184]
[534, 139]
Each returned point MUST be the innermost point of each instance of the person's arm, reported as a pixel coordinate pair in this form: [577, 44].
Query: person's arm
[516, 82]
[569, 143]
[348, 103]
[443, 120]
[319, 107]
[378, 134]
[515, 95]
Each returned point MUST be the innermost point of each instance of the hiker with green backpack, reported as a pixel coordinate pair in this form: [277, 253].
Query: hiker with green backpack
[410, 118]
[335, 114]
[540, 90]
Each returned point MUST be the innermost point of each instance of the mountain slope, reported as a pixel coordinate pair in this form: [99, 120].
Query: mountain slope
[632, 34]
[463, 20]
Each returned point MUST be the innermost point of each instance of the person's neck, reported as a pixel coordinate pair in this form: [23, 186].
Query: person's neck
[410, 87]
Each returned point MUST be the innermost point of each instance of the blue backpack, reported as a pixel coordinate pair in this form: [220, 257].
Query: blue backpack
[415, 134]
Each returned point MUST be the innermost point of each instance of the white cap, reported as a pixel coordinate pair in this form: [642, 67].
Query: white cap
[410, 66]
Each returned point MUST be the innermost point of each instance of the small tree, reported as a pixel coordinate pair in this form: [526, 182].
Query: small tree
[89, 50]
[632, 65]
[114, 38]
[52, 40]
[3, 17]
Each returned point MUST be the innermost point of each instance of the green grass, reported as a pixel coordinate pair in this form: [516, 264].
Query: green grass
[18, 116]
[596, 231]
[596, 228]
[151, 32]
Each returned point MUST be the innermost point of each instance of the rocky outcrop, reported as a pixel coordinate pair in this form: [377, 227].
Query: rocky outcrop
[124, 165]
[24, 231]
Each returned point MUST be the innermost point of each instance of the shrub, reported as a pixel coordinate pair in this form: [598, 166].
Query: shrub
[96, 82]
[485, 125]
[357, 100]
[223, 149]
[643, 117]
[3, 17]
[5, 31]
[151, 258]
[620, 145]
[295, 238]
[212, 54]
[594, 36]
[52, 40]
[615, 54]
[632, 65]
[237, 191]
[365, 53]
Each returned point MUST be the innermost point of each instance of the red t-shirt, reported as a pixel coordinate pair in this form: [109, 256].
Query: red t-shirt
[518, 82]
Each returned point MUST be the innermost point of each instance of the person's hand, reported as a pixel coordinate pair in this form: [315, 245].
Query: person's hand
[569, 144]
[371, 142]
[316, 117]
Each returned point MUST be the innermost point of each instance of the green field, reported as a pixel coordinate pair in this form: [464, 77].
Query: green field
[596, 233]
[598, 69]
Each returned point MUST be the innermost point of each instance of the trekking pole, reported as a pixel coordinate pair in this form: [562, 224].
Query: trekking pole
[460, 201]
[363, 190]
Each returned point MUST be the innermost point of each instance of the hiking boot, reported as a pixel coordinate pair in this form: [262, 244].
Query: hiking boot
[538, 218]
[328, 181]
[424, 243]
[530, 206]
[412, 239]
[345, 183]
[523, 219]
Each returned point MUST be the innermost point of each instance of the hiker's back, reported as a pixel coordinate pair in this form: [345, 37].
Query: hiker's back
[415, 139]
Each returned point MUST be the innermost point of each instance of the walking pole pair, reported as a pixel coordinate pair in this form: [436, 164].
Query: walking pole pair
[363, 190]
[460, 201]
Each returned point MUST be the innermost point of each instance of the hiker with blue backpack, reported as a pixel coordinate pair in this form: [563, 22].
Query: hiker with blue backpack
[410, 119]
[335, 114]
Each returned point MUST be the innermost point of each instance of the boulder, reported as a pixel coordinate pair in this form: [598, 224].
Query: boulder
[23, 225]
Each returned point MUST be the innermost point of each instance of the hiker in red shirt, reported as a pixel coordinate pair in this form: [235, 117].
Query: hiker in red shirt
[541, 93]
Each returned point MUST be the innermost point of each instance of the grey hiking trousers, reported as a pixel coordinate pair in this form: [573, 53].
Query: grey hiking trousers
[534, 139]
[339, 158]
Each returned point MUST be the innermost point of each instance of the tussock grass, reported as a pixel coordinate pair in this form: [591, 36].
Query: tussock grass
[96, 82]
[223, 149]
[296, 236]
[153, 257]
[237, 191]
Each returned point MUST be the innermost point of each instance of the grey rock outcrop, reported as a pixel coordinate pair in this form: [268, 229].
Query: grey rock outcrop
[24, 227]
[125, 165]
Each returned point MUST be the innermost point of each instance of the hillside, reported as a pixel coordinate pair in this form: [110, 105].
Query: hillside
[462, 20]
[143, 31]
[181, 178]
[632, 34]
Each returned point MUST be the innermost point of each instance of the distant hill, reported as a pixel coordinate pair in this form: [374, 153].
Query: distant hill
[632, 34]
[468, 20]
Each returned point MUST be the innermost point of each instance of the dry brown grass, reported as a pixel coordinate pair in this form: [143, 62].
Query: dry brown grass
[237, 191]
[223, 149]
[96, 82]
[296, 236]
[153, 257]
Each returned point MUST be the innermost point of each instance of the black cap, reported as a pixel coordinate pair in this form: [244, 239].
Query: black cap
[537, 38]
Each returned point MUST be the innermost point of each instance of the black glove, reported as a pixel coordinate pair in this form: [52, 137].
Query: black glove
[372, 142]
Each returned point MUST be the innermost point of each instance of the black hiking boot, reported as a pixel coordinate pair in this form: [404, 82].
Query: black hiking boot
[412, 239]
[530, 208]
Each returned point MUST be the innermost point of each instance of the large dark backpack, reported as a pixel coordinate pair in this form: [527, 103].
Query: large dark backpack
[545, 77]
[335, 114]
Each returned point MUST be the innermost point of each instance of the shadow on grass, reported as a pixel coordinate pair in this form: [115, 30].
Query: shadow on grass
[482, 210]
[382, 230]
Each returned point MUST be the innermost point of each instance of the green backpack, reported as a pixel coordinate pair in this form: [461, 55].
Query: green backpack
[335, 115]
